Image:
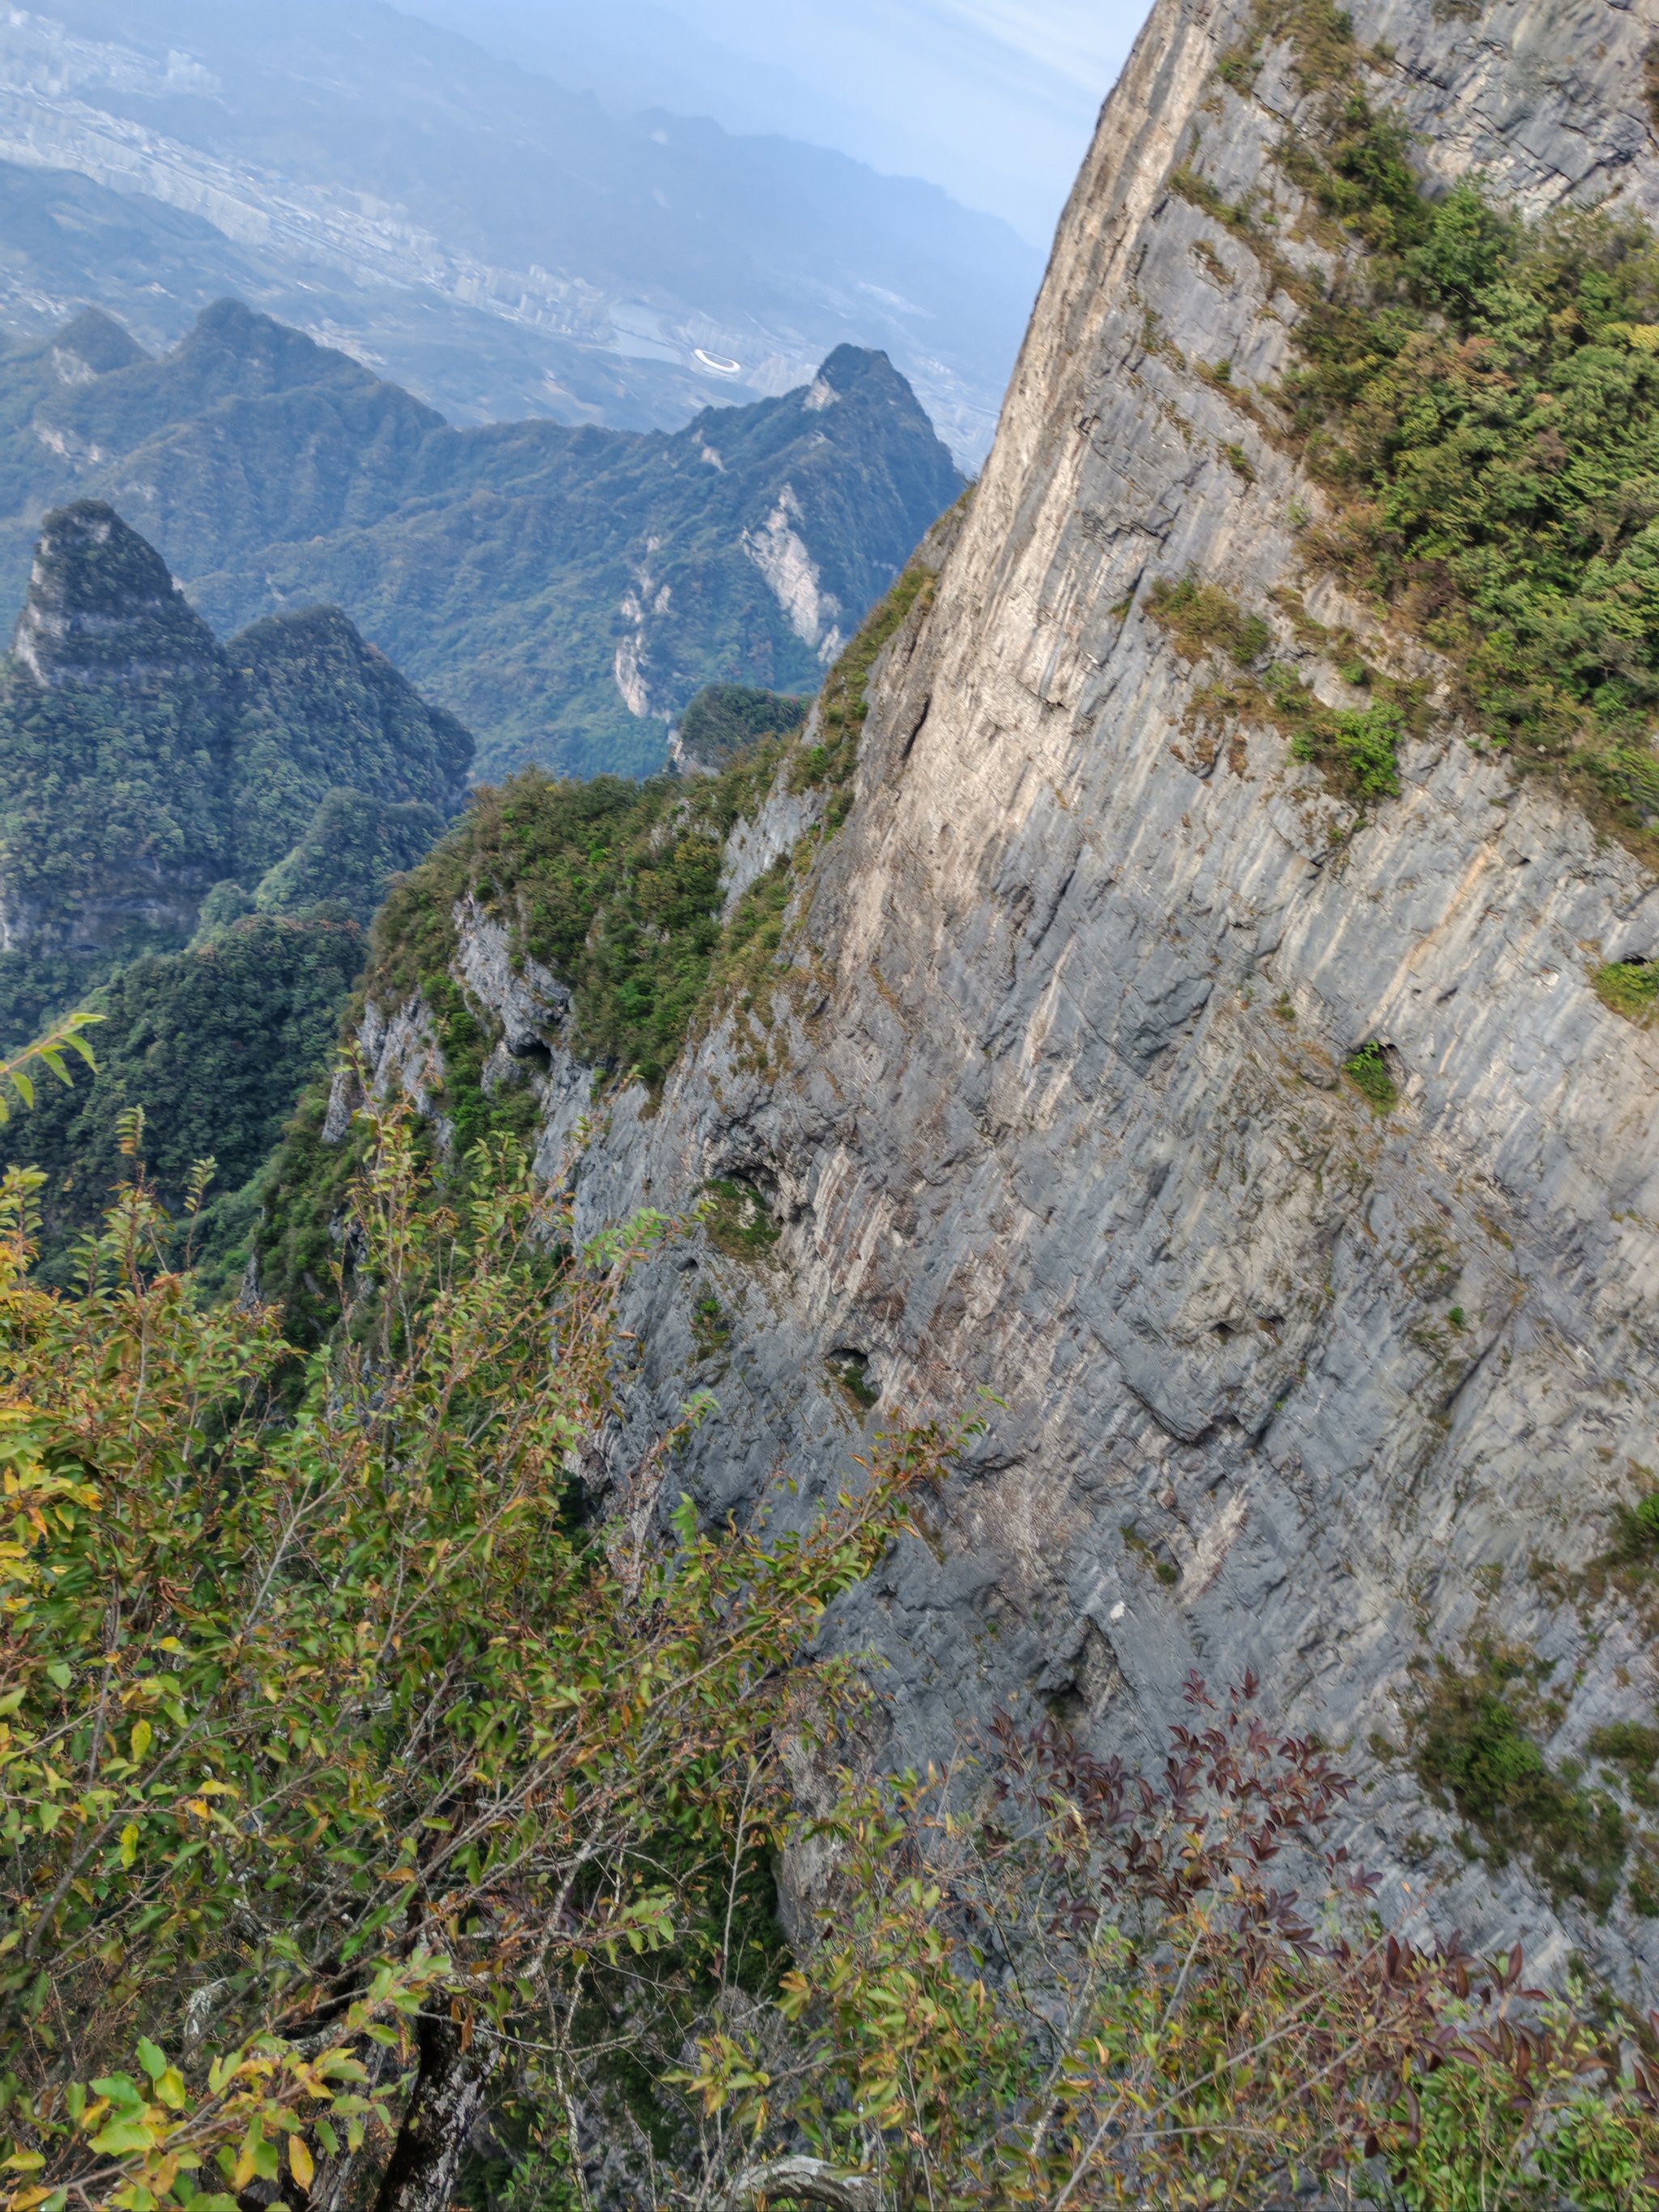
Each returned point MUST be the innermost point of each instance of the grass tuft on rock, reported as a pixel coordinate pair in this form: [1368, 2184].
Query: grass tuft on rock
[737, 1221]
[1475, 1752]
[1629, 987]
[1638, 1538]
[1202, 618]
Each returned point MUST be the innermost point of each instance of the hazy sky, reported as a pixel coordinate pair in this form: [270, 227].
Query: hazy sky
[995, 100]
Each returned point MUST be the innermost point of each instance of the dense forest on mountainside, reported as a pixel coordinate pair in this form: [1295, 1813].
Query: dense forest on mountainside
[214, 1043]
[153, 786]
[565, 592]
[724, 718]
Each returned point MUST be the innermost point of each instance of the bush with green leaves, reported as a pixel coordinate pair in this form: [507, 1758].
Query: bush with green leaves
[1368, 1071]
[1638, 1529]
[1629, 987]
[345, 1758]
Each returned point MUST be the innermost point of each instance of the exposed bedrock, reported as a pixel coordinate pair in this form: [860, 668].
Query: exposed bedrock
[1286, 1383]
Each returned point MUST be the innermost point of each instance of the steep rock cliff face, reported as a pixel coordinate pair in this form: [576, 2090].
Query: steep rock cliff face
[1051, 1107]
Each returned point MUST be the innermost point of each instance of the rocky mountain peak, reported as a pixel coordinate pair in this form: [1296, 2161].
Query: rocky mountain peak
[92, 345]
[232, 348]
[144, 767]
[850, 366]
[102, 607]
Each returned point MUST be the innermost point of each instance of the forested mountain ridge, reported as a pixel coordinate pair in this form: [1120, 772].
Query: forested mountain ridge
[141, 763]
[155, 785]
[565, 592]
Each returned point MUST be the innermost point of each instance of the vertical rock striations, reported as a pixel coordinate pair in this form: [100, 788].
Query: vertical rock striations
[1053, 1102]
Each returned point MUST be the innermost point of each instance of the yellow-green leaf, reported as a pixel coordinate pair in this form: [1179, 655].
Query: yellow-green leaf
[125, 2135]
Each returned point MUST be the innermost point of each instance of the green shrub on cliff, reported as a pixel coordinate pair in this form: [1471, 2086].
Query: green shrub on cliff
[1482, 395]
[613, 886]
[1357, 747]
[1629, 987]
[1476, 1750]
[343, 1761]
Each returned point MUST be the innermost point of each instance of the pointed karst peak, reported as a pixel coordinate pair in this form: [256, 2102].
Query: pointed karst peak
[92, 345]
[102, 608]
[233, 348]
[857, 369]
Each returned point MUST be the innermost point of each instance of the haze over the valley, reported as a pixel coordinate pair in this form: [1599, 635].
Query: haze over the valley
[527, 208]
[994, 100]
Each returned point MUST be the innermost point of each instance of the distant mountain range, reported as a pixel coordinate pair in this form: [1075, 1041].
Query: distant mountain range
[500, 243]
[563, 592]
[994, 100]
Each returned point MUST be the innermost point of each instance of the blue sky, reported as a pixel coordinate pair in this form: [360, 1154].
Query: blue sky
[995, 100]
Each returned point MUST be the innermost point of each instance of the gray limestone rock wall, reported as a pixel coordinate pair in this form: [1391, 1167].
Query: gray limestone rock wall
[1058, 1116]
